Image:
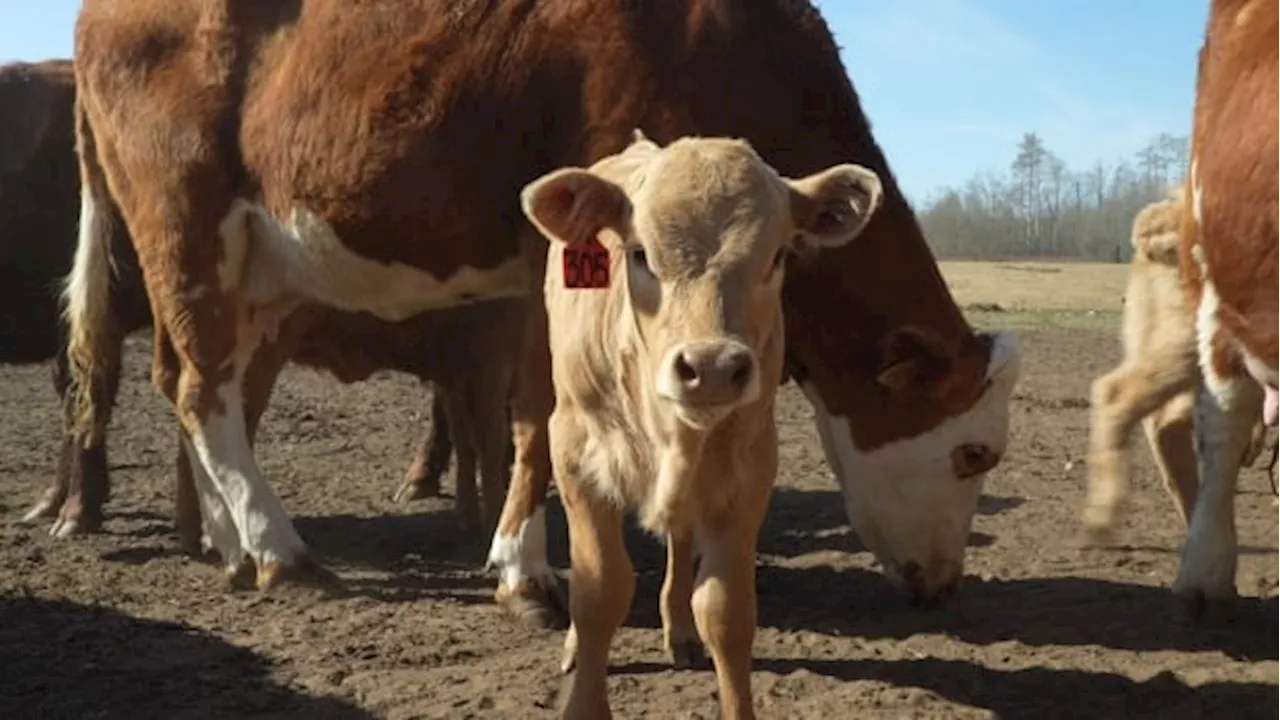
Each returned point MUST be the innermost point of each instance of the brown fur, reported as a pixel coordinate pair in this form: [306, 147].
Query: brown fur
[38, 197]
[369, 117]
[1155, 383]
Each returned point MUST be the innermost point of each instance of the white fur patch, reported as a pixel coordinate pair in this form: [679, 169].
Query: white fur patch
[306, 257]
[903, 498]
[219, 527]
[221, 444]
[523, 555]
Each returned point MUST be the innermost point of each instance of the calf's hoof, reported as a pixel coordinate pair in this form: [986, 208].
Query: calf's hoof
[302, 572]
[687, 654]
[535, 606]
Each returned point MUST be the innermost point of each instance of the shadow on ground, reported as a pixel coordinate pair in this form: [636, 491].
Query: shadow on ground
[64, 660]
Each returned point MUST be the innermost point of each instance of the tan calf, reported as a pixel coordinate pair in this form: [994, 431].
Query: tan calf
[1154, 384]
[665, 380]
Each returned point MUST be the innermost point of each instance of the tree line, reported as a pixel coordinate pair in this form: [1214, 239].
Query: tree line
[1043, 209]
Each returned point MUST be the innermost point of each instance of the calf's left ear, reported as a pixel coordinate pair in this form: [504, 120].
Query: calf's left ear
[573, 205]
[830, 208]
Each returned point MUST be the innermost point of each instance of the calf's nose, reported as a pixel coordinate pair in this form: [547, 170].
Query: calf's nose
[713, 373]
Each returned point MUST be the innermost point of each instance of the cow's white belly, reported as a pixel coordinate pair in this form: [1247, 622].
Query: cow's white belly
[267, 259]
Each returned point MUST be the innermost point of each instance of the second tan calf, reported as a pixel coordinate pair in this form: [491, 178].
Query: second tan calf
[1155, 382]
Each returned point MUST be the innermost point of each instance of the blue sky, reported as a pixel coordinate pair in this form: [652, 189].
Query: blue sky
[949, 85]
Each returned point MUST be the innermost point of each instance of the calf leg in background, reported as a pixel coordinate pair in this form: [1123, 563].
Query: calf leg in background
[1119, 400]
[422, 479]
[1170, 433]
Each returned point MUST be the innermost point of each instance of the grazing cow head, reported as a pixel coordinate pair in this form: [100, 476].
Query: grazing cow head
[699, 230]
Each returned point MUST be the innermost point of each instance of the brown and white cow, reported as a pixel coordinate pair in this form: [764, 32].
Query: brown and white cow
[665, 372]
[272, 154]
[1228, 260]
[1155, 382]
[462, 350]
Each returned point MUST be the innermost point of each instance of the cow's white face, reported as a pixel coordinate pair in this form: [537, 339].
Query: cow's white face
[704, 225]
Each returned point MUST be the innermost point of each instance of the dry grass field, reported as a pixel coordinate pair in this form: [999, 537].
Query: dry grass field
[120, 625]
[1019, 294]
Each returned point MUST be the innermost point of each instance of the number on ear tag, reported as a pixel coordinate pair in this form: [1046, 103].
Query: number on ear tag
[586, 266]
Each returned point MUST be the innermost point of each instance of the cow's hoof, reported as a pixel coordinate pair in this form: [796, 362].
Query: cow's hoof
[417, 487]
[687, 654]
[1204, 609]
[303, 572]
[535, 606]
[569, 658]
[46, 507]
[65, 527]
[239, 576]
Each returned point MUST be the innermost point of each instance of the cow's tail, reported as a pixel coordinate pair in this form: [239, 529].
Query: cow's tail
[93, 335]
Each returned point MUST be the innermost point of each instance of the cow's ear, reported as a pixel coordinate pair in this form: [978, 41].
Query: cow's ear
[830, 208]
[573, 205]
[913, 360]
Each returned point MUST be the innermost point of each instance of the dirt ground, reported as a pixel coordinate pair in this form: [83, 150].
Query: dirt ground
[118, 625]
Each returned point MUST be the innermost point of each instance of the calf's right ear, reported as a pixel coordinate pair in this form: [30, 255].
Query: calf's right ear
[573, 205]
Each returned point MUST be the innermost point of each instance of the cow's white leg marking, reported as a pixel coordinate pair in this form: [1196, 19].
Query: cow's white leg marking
[1226, 408]
[523, 555]
[219, 527]
[222, 444]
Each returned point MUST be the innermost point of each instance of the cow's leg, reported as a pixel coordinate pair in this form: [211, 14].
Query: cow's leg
[459, 412]
[1228, 404]
[1225, 412]
[1170, 436]
[1120, 399]
[601, 587]
[191, 495]
[527, 586]
[89, 483]
[422, 479]
[187, 517]
[487, 395]
[82, 484]
[50, 501]
[679, 632]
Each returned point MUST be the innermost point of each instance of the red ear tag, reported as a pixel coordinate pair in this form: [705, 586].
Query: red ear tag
[586, 265]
